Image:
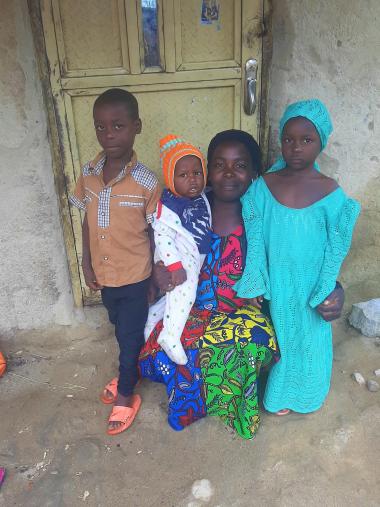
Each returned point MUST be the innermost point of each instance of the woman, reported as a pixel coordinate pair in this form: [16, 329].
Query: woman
[226, 341]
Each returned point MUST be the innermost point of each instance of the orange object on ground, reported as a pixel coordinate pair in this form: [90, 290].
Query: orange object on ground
[3, 364]
[112, 388]
[124, 415]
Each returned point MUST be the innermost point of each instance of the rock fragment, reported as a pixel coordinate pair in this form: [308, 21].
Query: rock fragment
[372, 386]
[358, 377]
[377, 372]
[365, 316]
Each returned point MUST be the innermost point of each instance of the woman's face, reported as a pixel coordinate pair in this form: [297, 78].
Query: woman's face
[230, 171]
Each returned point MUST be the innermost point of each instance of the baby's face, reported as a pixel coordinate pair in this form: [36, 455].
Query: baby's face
[188, 177]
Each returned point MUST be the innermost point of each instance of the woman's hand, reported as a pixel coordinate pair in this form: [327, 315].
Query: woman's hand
[178, 277]
[256, 302]
[331, 308]
[162, 278]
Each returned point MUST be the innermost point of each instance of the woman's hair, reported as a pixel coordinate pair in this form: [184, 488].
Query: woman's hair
[239, 136]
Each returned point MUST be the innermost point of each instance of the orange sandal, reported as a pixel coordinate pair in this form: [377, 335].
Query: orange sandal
[3, 364]
[284, 411]
[112, 388]
[124, 415]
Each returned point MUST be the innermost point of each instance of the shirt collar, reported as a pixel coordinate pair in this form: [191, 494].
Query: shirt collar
[96, 165]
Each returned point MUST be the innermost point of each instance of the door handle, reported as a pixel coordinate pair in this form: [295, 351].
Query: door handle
[250, 86]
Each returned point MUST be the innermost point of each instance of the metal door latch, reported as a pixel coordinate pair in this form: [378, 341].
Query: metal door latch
[250, 86]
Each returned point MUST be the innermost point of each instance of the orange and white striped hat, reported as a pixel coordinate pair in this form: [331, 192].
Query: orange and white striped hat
[172, 149]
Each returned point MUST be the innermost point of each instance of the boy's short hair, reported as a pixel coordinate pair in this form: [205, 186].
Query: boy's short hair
[119, 96]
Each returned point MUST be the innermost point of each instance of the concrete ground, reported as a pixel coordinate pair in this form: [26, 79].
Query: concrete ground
[56, 451]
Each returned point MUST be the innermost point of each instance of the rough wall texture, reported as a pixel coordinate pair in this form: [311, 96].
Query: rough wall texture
[35, 286]
[330, 50]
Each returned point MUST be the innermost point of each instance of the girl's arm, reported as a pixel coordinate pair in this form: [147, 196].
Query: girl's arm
[339, 230]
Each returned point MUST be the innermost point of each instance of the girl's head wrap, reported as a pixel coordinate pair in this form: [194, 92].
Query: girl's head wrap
[172, 149]
[313, 110]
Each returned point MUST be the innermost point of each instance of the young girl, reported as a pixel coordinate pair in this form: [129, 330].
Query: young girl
[182, 236]
[299, 225]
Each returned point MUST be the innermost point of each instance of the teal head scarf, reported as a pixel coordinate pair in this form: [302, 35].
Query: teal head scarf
[313, 110]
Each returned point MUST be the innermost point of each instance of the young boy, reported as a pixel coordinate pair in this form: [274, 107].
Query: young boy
[119, 196]
[182, 235]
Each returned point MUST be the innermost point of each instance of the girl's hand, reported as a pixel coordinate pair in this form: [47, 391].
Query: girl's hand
[90, 278]
[256, 302]
[161, 277]
[331, 308]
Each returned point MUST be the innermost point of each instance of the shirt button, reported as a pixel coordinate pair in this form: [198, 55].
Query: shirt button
[105, 258]
[102, 237]
[103, 213]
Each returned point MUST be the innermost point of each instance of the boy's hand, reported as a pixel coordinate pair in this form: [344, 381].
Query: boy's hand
[90, 278]
[256, 302]
[179, 276]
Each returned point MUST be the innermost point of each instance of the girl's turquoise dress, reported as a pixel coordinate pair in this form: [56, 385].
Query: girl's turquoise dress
[293, 260]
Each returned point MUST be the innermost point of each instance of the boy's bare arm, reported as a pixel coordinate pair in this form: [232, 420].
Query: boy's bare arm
[153, 289]
[88, 272]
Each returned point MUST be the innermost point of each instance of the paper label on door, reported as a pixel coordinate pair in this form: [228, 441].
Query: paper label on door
[210, 12]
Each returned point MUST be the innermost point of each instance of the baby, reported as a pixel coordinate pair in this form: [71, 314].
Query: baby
[182, 235]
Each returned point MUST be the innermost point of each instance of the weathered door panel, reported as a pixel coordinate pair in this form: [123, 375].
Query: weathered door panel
[186, 74]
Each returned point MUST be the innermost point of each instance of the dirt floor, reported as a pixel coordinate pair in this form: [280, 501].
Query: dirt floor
[56, 451]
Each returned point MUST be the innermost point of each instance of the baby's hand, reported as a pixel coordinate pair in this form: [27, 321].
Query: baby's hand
[256, 302]
[179, 276]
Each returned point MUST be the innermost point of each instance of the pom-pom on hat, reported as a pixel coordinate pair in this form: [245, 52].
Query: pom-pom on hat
[172, 149]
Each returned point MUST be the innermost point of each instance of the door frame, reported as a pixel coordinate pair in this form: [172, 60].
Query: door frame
[53, 102]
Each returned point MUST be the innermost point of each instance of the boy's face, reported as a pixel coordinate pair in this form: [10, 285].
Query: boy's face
[188, 177]
[115, 129]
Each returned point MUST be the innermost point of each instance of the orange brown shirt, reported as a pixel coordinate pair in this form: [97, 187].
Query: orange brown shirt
[118, 215]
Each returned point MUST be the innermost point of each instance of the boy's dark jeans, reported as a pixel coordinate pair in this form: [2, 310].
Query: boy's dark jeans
[127, 308]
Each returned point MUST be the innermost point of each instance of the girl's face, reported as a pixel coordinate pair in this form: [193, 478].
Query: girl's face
[300, 144]
[230, 171]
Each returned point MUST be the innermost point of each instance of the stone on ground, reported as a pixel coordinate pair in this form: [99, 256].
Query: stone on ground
[366, 317]
[372, 386]
[358, 377]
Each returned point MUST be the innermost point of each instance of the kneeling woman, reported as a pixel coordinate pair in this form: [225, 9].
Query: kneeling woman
[226, 340]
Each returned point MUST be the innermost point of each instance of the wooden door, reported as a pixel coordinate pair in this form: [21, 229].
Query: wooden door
[183, 59]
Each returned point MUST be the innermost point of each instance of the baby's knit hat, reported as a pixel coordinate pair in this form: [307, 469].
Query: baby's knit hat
[172, 149]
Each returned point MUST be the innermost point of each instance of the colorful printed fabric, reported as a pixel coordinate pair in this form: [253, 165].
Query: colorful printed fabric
[184, 384]
[226, 345]
[221, 269]
[232, 350]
